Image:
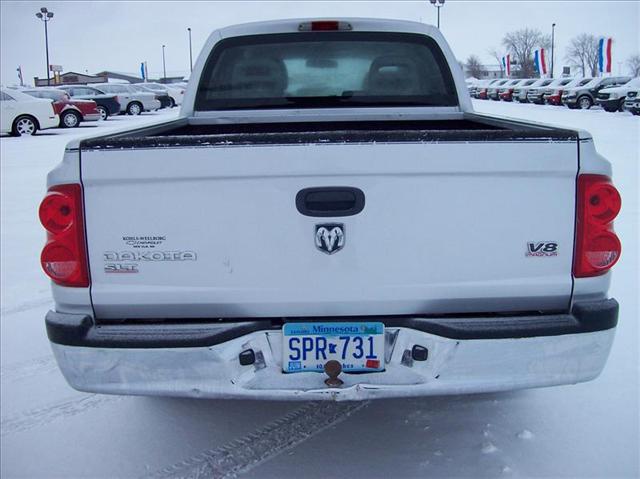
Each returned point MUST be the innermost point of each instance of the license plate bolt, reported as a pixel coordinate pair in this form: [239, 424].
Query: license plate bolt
[247, 357]
[419, 353]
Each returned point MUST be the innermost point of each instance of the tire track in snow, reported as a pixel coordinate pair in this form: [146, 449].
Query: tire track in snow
[25, 369]
[41, 416]
[241, 455]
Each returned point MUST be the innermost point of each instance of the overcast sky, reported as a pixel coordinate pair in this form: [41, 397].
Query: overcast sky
[95, 36]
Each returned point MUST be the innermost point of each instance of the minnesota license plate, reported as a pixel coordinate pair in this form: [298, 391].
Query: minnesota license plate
[357, 346]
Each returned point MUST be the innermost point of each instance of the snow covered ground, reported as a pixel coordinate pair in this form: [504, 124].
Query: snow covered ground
[48, 430]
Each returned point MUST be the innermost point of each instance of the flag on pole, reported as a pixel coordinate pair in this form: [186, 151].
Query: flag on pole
[604, 55]
[19, 70]
[142, 72]
[506, 63]
[540, 62]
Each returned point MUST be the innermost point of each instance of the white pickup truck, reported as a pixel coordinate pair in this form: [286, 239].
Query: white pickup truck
[329, 219]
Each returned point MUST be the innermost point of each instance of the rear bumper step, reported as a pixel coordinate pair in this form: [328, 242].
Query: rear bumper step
[206, 360]
[80, 330]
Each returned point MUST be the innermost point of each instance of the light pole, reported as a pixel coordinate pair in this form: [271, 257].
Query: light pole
[46, 16]
[553, 28]
[164, 67]
[438, 4]
[190, 51]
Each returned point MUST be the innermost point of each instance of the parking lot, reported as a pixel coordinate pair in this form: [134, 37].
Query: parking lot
[50, 430]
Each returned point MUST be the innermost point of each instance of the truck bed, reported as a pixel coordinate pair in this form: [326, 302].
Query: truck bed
[472, 128]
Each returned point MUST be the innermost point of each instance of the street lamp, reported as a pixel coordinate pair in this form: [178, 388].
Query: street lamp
[46, 16]
[164, 66]
[190, 51]
[553, 27]
[438, 4]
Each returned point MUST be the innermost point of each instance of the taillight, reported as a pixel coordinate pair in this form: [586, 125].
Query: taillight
[58, 107]
[324, 26]
[64, 257]
[597, 246]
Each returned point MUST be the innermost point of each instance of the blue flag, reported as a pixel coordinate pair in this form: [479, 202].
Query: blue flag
[601, 55]
[536, 61]
[142, 71]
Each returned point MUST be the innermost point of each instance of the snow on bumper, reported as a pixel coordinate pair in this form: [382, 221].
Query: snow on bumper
[453, 366]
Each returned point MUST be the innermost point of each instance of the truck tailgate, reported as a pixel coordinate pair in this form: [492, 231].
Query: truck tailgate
[207, 232]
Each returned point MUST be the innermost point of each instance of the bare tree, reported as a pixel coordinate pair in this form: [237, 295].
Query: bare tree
[474, 68]
[494, 53]
[522, 43]
[633, 62]
[583, 53]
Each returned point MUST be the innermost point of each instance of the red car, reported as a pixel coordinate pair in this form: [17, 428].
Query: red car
[71, 112]
[554, 98]
[506, 95]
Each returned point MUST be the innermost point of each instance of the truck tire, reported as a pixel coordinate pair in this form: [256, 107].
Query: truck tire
[70, 119]
[134, 108]
[584, 102]
[24, 125]
[104, 113]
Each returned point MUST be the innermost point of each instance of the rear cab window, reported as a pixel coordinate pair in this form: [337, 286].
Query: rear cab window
[325, 69]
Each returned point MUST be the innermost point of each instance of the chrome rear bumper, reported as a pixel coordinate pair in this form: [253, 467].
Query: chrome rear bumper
[493, 354]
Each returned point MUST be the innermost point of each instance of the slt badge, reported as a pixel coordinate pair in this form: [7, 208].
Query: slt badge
[329, 237]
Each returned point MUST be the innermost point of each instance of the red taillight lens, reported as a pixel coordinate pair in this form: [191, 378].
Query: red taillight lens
[57, 211]
[324, 26]
[64, 257]
[603, 202]
[597, 246]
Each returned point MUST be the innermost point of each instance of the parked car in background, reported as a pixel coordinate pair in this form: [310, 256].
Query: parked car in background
[506, 92]
[492, 91]
[632, 102]
[534, 93]
[108, 104]
[553, 94]
[22, 114]
[482, 88]
[517, 89]
[612, 98]
[162, 97]
[132, 102]
[537, 95]
[584, 96]
[176, 93]
[471, 84]
[520, 93]
[71, 112]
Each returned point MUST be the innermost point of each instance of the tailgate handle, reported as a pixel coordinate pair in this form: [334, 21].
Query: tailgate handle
[330, 201]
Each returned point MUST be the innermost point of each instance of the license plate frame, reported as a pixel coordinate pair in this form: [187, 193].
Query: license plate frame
[315, 343]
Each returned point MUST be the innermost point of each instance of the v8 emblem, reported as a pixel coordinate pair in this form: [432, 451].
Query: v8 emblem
[542, 248]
